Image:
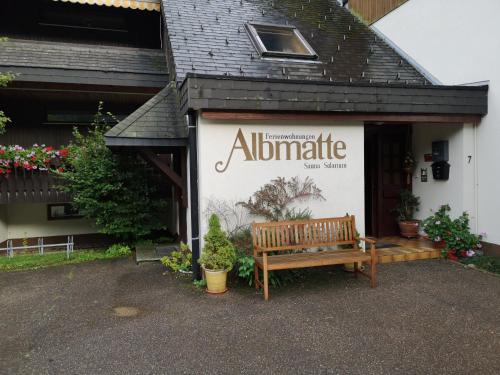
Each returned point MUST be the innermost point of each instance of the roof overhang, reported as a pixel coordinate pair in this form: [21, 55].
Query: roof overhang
[145, 142]
[157, 123]
[86, 77]
[369, 102]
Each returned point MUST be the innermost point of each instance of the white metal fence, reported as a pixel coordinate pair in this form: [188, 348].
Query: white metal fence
[41, 246]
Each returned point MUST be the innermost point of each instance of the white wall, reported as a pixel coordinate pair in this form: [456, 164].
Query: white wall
[458, 42]
[343, 188]
[3, 223]
[30, 220]
[459, 190]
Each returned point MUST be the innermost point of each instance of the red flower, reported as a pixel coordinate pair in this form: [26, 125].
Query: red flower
[9, 171]
[48, 148]
[451, 255]
[46, 161]
[33, 158]
[16, 164]
[60, 169]
[463, 253]
[64, 153]
[2, 151]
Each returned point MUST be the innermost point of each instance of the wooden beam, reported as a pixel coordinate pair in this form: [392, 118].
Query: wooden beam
[344, 116]
[173, 177]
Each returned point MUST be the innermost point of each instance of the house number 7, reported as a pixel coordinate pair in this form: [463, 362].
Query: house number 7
[469, 158]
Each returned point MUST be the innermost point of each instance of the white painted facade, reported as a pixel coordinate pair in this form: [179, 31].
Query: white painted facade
[342, 186]
[460, 190]
[458, 43]
[29, 220]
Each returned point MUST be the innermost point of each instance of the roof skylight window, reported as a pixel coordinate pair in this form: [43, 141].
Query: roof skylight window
[280, 41]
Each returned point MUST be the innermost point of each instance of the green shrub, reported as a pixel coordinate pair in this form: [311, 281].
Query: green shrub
[179, 260]
[438, 225]
[118, 191]
[118, 250]
[246, 268]
[218, 252]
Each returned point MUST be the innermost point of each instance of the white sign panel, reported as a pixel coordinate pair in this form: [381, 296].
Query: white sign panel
[236, 159]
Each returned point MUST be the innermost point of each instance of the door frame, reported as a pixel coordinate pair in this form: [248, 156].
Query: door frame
[374, 205]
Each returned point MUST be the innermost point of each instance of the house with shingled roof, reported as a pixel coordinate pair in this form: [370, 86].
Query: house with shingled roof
[255, 90]
[291, 89]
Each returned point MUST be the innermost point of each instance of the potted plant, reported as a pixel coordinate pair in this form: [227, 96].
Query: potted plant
[405, 210]
[438, 226]
[409, 163]
[460, 241]
[218, 257]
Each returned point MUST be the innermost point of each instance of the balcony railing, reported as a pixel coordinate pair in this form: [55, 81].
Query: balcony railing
[34, 186]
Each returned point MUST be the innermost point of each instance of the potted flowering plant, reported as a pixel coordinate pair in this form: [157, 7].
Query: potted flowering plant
[437, 226]
[37, 157]
[405, 211]
[218, 257]
[460, 242]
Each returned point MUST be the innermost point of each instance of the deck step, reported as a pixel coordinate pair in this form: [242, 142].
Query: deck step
[406, 254]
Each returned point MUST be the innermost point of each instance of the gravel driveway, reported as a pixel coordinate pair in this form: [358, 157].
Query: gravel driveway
[114, 317]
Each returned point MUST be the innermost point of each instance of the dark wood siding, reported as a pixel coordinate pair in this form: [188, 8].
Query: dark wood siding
[372, 10]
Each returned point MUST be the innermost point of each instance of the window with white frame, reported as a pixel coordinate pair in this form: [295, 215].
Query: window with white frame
[280, 41]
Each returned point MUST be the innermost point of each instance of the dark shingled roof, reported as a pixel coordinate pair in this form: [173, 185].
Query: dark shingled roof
[209, 37]
[43, 61]
[158, 119]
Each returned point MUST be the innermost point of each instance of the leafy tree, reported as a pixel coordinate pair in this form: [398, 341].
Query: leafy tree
[117, 191]
[5, 78]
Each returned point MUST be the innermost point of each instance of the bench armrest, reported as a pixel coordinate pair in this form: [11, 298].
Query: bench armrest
[367, 240]
[373, 251]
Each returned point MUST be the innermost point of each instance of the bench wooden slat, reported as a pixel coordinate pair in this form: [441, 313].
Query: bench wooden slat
[323, 258]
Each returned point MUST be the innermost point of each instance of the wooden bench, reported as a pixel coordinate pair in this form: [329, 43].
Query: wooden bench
[294, 237]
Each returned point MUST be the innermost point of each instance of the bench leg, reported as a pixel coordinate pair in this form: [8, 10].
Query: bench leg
[373, 271]
[266, 276]
[356, 269]
[256, 276]
[266, 284]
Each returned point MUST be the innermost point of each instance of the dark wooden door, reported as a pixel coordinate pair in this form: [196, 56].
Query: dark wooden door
[386, 148]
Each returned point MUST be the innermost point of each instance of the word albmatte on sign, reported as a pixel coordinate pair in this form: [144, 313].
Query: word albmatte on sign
[264, 150]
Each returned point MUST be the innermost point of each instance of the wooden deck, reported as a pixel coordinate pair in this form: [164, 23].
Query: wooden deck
[406, 250]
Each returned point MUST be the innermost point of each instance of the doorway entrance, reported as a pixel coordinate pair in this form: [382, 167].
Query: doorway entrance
[385, 149]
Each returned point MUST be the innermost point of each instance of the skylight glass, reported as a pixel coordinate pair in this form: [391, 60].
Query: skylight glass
[280, 41]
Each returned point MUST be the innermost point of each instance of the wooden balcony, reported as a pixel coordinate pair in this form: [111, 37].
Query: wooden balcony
[34, 186]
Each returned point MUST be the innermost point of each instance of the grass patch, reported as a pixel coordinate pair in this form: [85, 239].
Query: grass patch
[487, 263]
[34, 261]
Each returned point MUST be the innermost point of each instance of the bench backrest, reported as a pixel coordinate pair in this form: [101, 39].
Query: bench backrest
[302, 234]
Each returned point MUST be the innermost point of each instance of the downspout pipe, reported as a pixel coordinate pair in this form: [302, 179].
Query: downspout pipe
[193, 183]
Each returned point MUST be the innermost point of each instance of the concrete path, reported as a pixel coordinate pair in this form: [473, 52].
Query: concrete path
[114, 317]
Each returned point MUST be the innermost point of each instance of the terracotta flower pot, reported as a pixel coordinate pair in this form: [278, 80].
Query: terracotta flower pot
[216, 281]
[409, 229]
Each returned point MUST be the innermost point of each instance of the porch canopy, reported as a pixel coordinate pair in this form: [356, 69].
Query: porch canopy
[157, 132]
[152, 5]
[244, 98]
